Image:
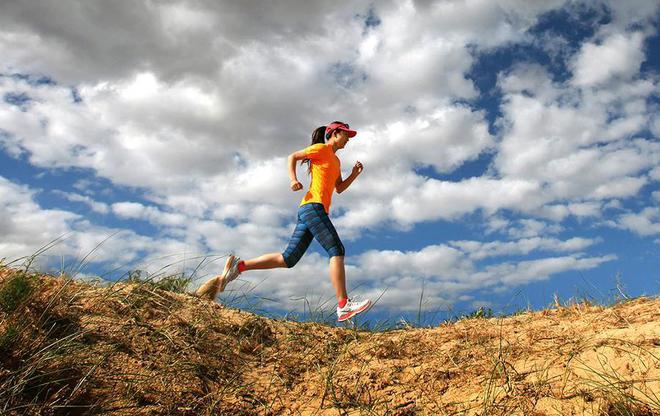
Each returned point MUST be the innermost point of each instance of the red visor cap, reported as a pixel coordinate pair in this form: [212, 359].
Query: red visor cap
[340, 126]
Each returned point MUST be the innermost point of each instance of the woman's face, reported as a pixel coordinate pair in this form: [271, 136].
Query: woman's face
[342, 138]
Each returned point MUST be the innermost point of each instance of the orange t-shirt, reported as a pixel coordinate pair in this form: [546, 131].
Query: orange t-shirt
[325, 171]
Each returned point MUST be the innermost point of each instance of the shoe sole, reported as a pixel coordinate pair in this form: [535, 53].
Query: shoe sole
[353, 313]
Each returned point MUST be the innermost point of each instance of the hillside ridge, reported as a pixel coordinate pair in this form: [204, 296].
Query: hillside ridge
[70, 347]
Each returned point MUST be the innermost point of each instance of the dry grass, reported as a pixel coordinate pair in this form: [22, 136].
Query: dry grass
[68, 347]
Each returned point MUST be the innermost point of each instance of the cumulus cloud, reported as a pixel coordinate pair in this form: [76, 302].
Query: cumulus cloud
[443, 199]
[617, 56]
[197, 105]
[176, 128]
[130, 134]
[566, 145]
[26, 228]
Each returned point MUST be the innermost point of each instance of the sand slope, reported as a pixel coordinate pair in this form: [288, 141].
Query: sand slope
[74, 348]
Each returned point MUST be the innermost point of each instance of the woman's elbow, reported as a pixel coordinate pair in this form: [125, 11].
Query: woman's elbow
[291, 160]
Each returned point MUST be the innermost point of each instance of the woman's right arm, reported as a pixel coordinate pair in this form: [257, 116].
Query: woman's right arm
[292, 159]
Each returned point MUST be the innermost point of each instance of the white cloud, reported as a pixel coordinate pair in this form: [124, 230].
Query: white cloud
[577, 148]
[436, 199]
[26, 228]
[526, 228]
[443, 139]
[152, 214]
[655, 173]
[188, 126]
[644, 223]
[617, 56]
[628, 13]
[448, 273]
[542, 269]
[558, 144]
[655, 126]
[182, 20]
[496, 224]
[430, 261]
[98, 207]
[478, 250]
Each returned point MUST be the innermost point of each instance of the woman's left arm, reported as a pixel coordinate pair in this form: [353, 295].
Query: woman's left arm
[341, 185]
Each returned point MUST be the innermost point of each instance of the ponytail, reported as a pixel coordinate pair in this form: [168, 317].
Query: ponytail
[318, 136]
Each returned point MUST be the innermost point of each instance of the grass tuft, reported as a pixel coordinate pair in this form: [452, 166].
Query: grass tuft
[15, 290]
[7, 338]
[177, 283]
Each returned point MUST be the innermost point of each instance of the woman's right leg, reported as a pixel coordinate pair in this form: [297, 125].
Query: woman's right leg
[266, 261]
[298, 244]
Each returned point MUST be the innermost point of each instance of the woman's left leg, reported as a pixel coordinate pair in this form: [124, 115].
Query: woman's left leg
[338, 276]
[324, 232]
[321, 227]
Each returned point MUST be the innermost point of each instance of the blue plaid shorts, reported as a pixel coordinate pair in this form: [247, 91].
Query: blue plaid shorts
[313, 222]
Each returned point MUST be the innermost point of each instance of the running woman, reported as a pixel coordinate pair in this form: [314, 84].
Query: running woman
[313, 220]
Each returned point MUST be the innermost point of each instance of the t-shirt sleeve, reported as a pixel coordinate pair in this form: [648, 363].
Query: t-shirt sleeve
[315, 151]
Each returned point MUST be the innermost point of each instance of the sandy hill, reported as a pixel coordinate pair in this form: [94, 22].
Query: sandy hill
[68, 347]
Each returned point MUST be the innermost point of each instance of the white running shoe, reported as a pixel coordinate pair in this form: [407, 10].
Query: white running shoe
[233, 272]
[351, 309]
[215, 285]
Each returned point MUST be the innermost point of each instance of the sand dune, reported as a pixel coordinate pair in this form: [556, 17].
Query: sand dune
[69, 347]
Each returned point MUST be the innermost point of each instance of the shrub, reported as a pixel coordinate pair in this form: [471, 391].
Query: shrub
[14, 291]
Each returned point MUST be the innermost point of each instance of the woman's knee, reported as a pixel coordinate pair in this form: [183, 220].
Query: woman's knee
[337, 259]
[290, 260]
[337, 250]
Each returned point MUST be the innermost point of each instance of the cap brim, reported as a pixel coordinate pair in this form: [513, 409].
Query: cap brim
[351, 133]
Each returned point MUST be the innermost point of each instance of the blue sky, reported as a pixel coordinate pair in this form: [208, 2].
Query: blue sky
[511, 149]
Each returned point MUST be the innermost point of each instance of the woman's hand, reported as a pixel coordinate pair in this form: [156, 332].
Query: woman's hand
[357, 169]
[296, 186]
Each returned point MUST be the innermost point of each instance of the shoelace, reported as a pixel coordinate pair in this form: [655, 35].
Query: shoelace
[355, 301]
